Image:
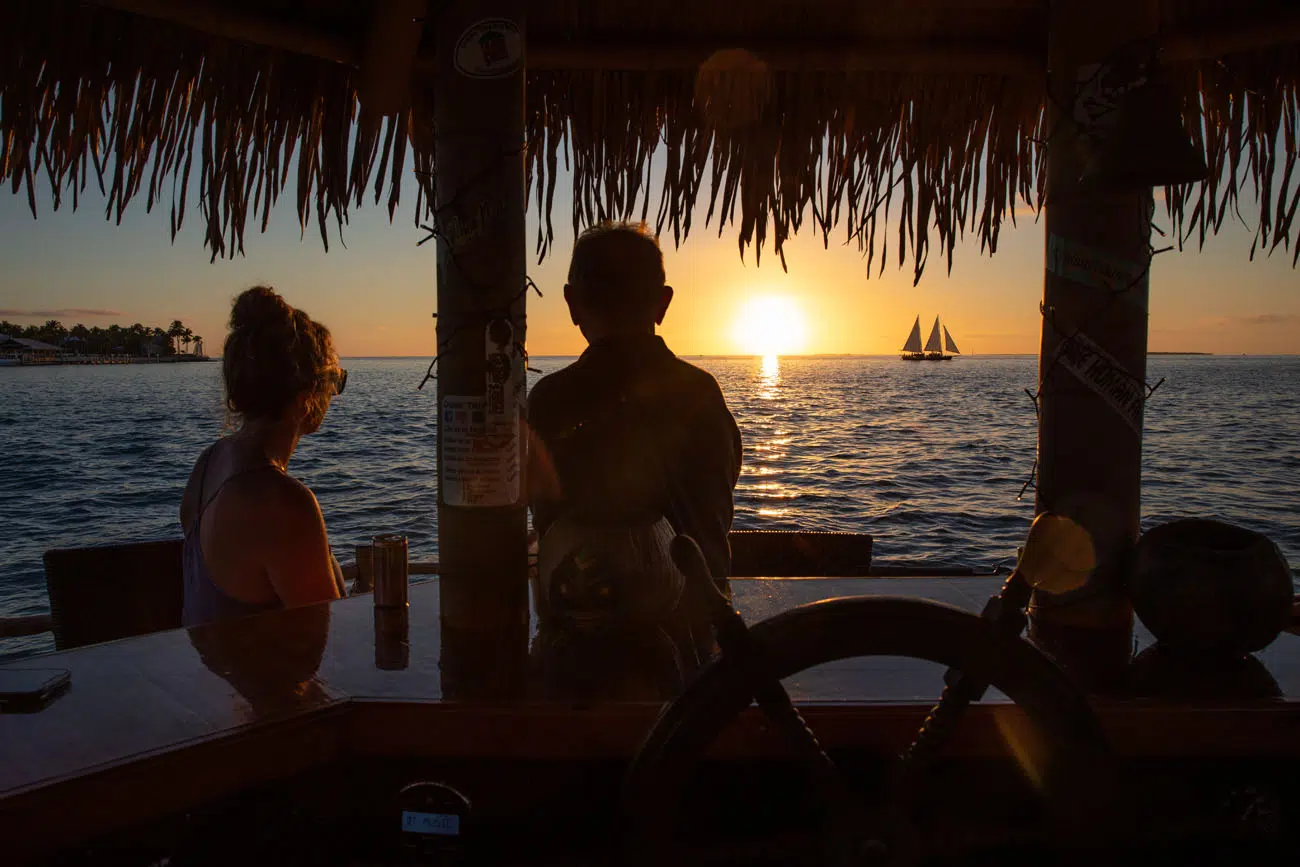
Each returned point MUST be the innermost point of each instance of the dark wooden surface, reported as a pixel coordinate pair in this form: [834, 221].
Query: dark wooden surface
[180, 717]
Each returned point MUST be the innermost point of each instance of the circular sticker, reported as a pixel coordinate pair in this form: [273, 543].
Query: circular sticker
[492, 48]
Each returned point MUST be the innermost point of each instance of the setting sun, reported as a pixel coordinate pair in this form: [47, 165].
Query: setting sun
[770, 325]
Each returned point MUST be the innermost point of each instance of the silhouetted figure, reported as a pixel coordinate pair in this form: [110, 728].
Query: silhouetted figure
[629, 432]
[630, 428]
[254, 535]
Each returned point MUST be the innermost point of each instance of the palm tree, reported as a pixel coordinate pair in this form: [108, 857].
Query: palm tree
[136, 339]
[187, 338]
[81, 334]
[52, 332]
[175, 331]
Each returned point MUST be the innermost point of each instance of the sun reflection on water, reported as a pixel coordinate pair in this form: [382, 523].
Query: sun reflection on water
[768, 448]
[769, 377]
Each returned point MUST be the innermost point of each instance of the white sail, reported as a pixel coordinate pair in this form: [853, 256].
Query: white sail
[913, 343]
[933, 345]
[947, 341]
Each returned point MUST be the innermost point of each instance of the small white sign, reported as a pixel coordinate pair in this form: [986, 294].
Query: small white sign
[1105, 377]
[492, 48]
[1097, 268]
[480, 453]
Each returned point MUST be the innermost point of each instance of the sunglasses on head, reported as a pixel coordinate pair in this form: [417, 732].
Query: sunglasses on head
[340, 381]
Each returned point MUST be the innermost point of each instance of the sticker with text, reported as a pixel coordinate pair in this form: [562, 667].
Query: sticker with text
[1097, 268]
[493, 48]
[1105, 377]
[480, 453]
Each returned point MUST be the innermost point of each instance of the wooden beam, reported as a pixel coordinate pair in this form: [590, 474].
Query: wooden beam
[1094, 349]
[1240, 36]
[216, 19]
[789, 56]
[638, 55]
[29, 624]
[478, 126]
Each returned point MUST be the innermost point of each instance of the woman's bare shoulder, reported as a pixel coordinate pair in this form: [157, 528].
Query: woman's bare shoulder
[275, 491]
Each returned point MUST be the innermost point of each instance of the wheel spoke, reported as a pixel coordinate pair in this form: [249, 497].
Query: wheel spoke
[853, 829]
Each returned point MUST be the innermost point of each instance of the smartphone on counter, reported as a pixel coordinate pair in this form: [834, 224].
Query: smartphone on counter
[23, 690]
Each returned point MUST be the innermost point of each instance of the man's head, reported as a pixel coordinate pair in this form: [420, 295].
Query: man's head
[616, 281]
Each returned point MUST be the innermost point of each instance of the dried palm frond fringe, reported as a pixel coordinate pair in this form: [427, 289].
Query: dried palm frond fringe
[130, 103]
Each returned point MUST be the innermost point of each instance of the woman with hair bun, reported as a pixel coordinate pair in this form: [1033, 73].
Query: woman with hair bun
[254, 536]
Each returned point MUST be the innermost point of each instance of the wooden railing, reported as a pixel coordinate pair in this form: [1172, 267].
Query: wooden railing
[27, 624]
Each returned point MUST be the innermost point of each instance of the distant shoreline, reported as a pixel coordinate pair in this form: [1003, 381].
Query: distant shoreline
[97, 360]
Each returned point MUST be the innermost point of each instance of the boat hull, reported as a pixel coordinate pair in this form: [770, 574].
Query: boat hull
[921, 356]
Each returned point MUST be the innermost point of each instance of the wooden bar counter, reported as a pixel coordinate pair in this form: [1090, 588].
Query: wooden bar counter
[154, 725]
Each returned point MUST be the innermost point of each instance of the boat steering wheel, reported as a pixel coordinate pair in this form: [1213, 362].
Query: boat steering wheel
[867, 828]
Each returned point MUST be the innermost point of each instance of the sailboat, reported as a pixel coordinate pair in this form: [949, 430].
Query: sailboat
[934, 350]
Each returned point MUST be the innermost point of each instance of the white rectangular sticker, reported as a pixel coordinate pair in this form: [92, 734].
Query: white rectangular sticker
[480, 453]
[1097, 268]
[1104, 376]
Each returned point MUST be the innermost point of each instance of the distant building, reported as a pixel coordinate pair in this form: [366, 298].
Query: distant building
[10, 350]
[22, 350]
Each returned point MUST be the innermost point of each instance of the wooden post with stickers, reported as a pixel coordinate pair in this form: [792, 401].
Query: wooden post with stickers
[1094, 331]
[482, 519]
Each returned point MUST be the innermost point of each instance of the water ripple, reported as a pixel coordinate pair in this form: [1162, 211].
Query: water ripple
[928, 458]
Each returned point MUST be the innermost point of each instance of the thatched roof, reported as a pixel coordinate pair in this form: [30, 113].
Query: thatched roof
[833, 109]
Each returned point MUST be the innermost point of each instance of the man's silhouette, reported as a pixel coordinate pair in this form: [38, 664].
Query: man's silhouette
[629, 431]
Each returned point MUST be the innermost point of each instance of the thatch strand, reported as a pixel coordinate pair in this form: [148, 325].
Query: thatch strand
[1245, 114]
[778, 147]
[134, 104]
[68, 97]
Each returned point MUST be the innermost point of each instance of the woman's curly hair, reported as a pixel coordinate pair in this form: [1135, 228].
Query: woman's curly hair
[273, 354]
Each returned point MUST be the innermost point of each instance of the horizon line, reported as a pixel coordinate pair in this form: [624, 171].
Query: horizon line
[867, 355]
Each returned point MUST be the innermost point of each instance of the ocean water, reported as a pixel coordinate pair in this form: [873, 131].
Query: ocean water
[929, 458]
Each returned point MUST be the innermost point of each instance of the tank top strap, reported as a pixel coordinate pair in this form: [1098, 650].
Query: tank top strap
[203, 471]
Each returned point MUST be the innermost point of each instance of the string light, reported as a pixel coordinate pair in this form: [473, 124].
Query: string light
[500, 313]
[1049, 316]
[1065, 114]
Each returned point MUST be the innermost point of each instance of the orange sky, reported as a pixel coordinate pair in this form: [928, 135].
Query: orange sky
[377, 293]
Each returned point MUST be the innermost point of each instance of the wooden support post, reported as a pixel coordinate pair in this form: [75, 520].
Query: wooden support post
[482, 521]
[1093, 362]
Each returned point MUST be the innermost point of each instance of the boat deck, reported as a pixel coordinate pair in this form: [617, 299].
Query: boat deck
[177, 718]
